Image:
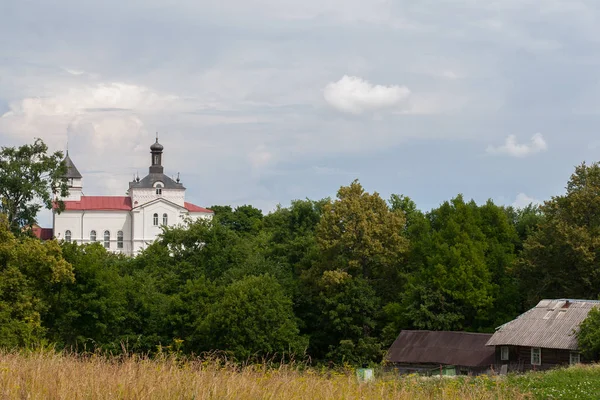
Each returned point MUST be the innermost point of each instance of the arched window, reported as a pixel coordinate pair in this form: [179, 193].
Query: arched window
[159, 187]
[120, 240]
[106, 239]
[68, 236]
[92, 236]
[165, 219]
[155, 219]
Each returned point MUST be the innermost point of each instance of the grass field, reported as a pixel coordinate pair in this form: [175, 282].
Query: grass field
[55, 376]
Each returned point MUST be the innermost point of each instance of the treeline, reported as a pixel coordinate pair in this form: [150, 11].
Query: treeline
[334, 279]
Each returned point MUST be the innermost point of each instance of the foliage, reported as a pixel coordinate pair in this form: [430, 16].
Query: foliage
[358, 233]
[254, 318]
[28, 176]
[453, 285]
[588, 336]
[560, 259]
[29, 271]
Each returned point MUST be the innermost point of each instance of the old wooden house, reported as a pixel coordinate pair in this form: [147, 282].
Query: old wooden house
[541, 338]
[435, 352]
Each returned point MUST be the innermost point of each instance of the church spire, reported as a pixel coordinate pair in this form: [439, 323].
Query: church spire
[156, 150]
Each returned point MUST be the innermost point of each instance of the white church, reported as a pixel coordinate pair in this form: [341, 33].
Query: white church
[125, 224]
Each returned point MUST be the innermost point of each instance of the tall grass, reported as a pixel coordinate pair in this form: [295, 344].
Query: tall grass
[51, 375]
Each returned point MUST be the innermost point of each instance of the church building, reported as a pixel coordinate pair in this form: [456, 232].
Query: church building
[125, 224]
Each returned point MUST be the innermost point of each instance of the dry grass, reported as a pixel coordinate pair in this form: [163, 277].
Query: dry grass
[49, 375]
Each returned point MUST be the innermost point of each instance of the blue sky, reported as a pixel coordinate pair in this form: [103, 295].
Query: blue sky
[263, 101]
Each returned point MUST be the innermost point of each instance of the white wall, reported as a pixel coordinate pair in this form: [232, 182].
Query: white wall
[140, 197]
[81, 223]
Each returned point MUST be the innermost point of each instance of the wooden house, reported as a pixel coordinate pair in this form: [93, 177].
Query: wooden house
[541, 338]
[440, 352]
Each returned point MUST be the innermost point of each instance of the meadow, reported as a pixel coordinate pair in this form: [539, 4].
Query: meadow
[52, 375]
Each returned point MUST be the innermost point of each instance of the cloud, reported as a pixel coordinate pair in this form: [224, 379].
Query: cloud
[523, 201]
[514, 149]
[355, 95]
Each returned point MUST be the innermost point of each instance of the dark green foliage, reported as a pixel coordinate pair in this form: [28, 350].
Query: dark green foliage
[28, 176]
[29, 273]
[254, 318]
[588, 337]
[560, 259]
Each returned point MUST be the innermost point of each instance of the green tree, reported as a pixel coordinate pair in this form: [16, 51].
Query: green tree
[30, 176]
[588, 336]
[560, 259]
[343, 326]
[90, 311]
[359, 234]
[244, 219]
[30, 272]
[254, 318]
[451, 287]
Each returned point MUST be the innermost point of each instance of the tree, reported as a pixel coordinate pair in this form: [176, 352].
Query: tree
[451, 287]
[588, 337]
[30, 271]
[359, 234]
[560, 259]
[244, 219]
[30, 176]
[254, 318]
[343, 326]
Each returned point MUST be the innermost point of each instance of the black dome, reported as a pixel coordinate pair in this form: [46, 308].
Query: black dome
[156, 146]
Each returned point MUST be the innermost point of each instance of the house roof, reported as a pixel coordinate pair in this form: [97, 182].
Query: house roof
[550, 324]
[114, 203]
[441, 347]
[42, 233]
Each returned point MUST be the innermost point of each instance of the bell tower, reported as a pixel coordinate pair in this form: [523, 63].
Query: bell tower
[74, 180]
[156, 150]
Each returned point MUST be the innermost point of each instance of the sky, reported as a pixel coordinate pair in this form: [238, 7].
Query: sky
[265, 101]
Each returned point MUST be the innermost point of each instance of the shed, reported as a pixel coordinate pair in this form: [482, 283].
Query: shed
[430, 351]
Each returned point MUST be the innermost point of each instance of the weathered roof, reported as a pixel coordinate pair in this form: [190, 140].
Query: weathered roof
[441, 347]
[72, 171]
[550, 324]
[150, 179]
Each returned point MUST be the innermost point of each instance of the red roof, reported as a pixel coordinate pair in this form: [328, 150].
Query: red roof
[194, 208]
[100, 203]
[115, 203]
[42, 233]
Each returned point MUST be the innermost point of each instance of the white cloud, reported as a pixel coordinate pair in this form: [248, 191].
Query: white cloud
[355, 95]
[98, 110]
[523, 201]
[514, 149]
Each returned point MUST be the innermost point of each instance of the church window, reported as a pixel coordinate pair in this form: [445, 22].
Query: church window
[120, 240]
[92, 236]
[165, 219]
[159, 189]
[107, 239]
[68, 236]
[155, 219]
